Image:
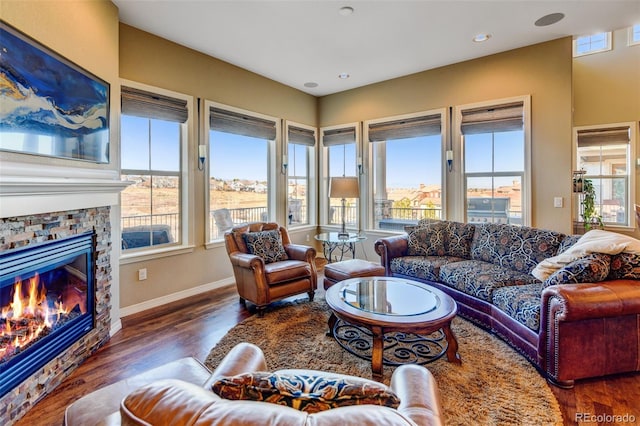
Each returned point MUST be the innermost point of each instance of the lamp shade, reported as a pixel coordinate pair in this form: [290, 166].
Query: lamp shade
[344, 187]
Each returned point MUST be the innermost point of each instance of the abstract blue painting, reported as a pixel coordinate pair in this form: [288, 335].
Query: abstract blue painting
[48, 105]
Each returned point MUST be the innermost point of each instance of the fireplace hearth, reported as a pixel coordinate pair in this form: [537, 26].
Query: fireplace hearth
[47, 293]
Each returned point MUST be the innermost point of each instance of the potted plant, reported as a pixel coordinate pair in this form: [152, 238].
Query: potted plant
[590, 215]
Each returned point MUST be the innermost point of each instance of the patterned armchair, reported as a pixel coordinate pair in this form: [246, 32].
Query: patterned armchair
[267, 267]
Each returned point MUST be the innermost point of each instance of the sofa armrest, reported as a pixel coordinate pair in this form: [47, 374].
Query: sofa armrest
[601, 318]
[574, 302]
[419, 395]
[242, 358]
[389, 248]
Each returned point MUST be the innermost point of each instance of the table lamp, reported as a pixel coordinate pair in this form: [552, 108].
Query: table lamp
[344, 187]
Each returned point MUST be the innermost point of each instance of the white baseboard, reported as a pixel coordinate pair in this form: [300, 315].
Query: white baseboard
[115, 327]
[174, 297]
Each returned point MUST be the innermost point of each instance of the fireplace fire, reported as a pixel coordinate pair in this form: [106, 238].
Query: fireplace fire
[46, 303]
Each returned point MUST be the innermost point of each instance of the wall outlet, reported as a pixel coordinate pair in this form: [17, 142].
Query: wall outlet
[308, 238]
[557, 202]
[142, 274]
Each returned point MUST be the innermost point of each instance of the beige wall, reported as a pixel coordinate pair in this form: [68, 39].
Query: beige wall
[542, 71]
[151, 60]
[606, 90]
[607, 85]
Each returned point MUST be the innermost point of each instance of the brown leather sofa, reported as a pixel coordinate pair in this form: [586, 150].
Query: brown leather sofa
[585, 330]
[262, 282]
[179, 393]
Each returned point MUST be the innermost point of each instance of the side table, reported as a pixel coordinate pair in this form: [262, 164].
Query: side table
[334, 247]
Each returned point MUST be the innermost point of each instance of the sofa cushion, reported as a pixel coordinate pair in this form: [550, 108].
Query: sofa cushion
[440, 238]
[173, 402]
[422, 267]
[306, 392]
[480, 279]
[286, 270]
[520, 302]
[519, 248]
[625, 266]
[592, 268]
[266, 244]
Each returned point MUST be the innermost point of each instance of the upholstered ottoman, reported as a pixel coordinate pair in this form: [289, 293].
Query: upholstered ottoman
[352, 268]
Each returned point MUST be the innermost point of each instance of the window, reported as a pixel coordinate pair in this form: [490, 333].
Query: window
[406, 153]
[301, 142]
[595, 43]
[634, 35]
[153, 135]
[340, 151]
[241, 149]
[604, 153]
[495, 152]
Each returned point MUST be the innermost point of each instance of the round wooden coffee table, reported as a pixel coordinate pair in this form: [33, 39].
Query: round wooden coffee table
[392, 321]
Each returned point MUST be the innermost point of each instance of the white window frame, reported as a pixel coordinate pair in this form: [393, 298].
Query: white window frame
[273, 167]
[632, 163]
[460, 208]
[444, 131]
[633, 30]
[312, 198]
[323, 192]
[187, 217]
[608, 44]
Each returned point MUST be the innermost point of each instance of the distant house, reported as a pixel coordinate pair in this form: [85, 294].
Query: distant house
[260, 188]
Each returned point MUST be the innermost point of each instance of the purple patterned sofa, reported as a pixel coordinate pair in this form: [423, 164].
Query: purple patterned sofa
[582, 321]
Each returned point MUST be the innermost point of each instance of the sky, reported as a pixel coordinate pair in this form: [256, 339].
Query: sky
[410, 162]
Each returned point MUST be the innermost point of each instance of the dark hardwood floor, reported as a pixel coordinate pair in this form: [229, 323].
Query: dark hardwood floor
[191, 327]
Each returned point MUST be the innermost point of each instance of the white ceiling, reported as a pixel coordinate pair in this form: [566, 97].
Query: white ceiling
[295, 42]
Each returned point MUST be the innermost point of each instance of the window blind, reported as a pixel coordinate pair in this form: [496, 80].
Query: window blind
[608, 136]
[141, 103]
[339, 136]
[405, 128]
[302, 136]
[241, 124]
[498, 118]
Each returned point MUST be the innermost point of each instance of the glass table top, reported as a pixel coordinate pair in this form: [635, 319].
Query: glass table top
[332, 237]
[385, 296]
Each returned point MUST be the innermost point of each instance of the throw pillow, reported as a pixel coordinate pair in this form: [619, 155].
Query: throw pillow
[308, 393]
[625, 266]
[266, 244]
[458, 239]
[567, 242]
[588, 269]
[427, 240]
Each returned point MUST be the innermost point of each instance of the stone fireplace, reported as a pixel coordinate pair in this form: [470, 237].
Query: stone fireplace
[39, 208]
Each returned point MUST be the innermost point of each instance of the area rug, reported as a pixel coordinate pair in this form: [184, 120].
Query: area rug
[493, 386]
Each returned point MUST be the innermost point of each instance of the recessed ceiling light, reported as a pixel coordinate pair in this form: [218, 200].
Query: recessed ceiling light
[311, 84]
[549, 19]
[479, 38]
[345, 11]
[343, 75]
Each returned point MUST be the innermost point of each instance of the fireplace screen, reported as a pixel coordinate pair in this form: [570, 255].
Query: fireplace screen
[46, 302]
